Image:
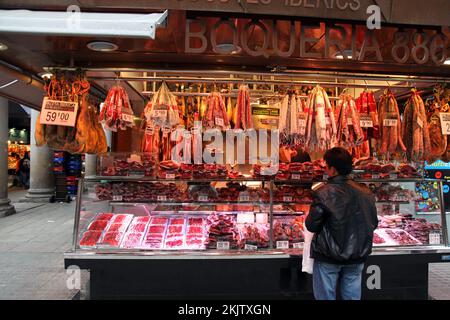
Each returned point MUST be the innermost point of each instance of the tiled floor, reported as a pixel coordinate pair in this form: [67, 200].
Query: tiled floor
[32, 243]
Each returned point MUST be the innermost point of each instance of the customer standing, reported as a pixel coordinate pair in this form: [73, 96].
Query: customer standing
[343, 217]
[24, 171]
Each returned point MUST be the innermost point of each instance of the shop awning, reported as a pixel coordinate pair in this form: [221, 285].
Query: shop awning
[75, 23]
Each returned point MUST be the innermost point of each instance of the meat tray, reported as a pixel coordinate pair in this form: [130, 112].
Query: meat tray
[132, 240]
[110, 239]
[90, 239]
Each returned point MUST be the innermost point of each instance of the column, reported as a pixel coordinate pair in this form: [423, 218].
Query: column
[5, 204]
[90, 165]
[41, 170]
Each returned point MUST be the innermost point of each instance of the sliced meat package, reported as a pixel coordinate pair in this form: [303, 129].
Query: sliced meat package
[90, 238]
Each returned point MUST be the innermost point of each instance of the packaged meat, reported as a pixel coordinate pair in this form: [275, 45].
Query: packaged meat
[174, 243]
[143, 219]
[222, 227]
[137, 227]
[104, 216]
[122, 218]
[195, 230]
[118, 227]
[176, 229]
[176, 221]
[112, 239]
[158, 229]
[90, 238]
[401, 237]
[158, 221]
[196, 221]
[254, 234]
[132, 240]
[98, 225]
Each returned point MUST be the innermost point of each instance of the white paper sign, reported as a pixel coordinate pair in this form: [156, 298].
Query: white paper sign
[297, 245]
[434, 238]
[117, 198]
[203, 198]
[127, 117]
[375, 176]
[349, 122]
[60, 113]
[223, 245]
[170, 176]
[390, 122]
[287, 199]
[244, 198]
[161, 198]
[282, 244]
[295, 177]
[302, 125]
[366, 123]
[219, 122]
[393, 176]
[327, 120]
[445, 122]
[250, 247]
[159, 113]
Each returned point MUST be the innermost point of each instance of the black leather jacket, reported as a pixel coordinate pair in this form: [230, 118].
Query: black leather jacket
[343, 217]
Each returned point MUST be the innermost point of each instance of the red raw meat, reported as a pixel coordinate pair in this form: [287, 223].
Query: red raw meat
[118, 218]
[198, 230]
[104, 216]
[195, 221]
[98, 225]
[152, 245]
[112, 238]
[132, 240]
[116, 227]
[176, 229]
[176, 221]
[90, 238]
[174, 243]
[143, 219]
[138, 227]
[158, 220]
[156, 229]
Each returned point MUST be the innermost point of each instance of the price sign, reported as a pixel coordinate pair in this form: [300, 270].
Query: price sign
[393, 176]
[445, 123]
[302, 123]
[244, 198]
[434, 238]
[375, 176]
[223, 245]
[250, 247]
[390, 122]
[420, 122]
[349, 121]
[117, 198]
[366, 122]
[296, 177]
[297, 245]
[287, 199]
[170, 176]
[219, 122]
[159, 113]
[127, 117]
[282, 244]
[61, 113]
[161, 198]
[149, 131]
[203, 198]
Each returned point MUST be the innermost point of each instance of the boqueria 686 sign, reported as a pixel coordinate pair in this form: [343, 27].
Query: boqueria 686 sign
[411, 46]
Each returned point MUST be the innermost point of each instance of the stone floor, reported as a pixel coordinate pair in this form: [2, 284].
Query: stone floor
[32, 243]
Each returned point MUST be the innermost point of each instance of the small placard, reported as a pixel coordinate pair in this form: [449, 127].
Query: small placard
[434, 238]
[223, 245]
[366, 123]
[375, 176]
[295, 177]
[302, 123]
[250, 247]
[393, 176]
[390, 122]
[325, 177]
[349, 121]
[161, 198]
[117, 198]
[61, 113]
[127, 117]
[445, 123]
[282, 244]
[243, 198]
[219, 122]
[149, 131]
[287, 199]
[297, 245]
[203, 198]
[159, 113]
[170, 176]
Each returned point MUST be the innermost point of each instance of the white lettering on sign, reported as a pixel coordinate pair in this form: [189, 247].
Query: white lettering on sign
[445, 122]
[390, 122]
[282, 244]
[59, 113]
[223, 245]
[374, 280]
[219, 122]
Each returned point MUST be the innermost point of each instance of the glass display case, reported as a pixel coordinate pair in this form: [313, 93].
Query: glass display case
[135, 214]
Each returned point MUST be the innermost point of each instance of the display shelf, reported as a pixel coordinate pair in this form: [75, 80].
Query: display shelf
[152, 179]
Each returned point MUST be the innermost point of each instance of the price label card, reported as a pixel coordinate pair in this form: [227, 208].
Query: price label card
[287, 199]
[250, 247]
[349, 121]
[325, 177]
[223, 245]
[282, 244]
[60, 113]
[390, 122]
[149, 131]
[117, 198]
[127, 117]
[420, 122]
[166, 130]
[203, 198]
[244, 198]
[445, 122]
[295, 177]
[434, 238]
[393, 176]
[366, 123]
[170, 176]
[375, 176]
[302, 123]
[159, 113]
[219, 122]
[297, 245]
[161, 198]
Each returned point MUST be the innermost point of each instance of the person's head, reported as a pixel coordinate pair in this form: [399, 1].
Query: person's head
[339, 162]
[300, 155]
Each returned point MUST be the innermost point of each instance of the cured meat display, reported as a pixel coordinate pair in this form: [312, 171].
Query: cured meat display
[111, 238]
[288, 230]
[349, 132]
[90, 238]
[401, 237]
[244, 118]
[117, 112]
[87, 136]
[254, 234]
[415, 129]
[438, 142]
[292, 124]
[367, 109]
[222, 228]
[389, 192]
[162, 111]
[420, 229]
[215, 116]
[390, 125]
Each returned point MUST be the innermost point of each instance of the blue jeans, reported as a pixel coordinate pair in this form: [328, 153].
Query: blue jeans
[326, 277]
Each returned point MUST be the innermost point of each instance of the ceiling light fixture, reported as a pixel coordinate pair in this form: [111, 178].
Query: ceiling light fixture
[102, 46]
[347, 53]
[131, 25]
[3, 47]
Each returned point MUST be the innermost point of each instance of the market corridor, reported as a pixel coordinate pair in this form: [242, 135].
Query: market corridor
[32, 243]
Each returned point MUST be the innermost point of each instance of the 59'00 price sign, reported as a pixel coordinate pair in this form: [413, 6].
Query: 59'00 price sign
[61, 113]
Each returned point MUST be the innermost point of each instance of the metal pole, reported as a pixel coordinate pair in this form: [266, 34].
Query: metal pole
[443, 214]
[76, 223]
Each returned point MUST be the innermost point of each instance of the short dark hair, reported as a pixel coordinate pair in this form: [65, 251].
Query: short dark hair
[340, 159]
